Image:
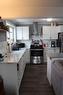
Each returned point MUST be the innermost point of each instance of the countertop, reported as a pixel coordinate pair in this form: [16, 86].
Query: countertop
[59, 66]
[13, 57]
[55, 55]
[51, 48]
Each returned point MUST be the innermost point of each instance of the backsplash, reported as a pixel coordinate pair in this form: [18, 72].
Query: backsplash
[2, 36]
[3, 47]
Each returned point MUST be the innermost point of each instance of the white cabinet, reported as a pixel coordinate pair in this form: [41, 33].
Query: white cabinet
[50, 50]
[12, 74]
[28, 56]
[56, 80]
[50, 62]
[60, 28]
[46, 32]
[54, 32]
[21, 67]
[45, 55]
[49, 69]
[50, 32]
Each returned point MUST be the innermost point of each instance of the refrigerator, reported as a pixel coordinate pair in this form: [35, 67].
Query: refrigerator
[60, 41]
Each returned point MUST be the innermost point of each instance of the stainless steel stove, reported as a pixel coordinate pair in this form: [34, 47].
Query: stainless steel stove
[36, 54]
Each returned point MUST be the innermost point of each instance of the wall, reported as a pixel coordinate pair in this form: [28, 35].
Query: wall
[3, 43]
[2, 36]
[3, 47]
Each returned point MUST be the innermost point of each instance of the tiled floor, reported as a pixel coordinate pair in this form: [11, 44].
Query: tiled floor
[35, 81]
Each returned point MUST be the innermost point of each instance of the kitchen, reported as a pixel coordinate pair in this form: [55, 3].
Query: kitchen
[32, 48]
[44, 70]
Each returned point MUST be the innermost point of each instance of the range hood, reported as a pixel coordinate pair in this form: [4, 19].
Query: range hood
[35, 28]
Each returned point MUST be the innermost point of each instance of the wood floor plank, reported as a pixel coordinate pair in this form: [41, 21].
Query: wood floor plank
[35, 81]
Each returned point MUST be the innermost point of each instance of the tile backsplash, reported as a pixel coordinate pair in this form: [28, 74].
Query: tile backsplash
[2, 36]
[3, 47]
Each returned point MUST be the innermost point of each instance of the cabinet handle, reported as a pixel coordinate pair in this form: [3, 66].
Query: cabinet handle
[17, 67]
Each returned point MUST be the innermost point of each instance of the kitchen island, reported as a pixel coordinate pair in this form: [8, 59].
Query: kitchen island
[50, 51]
[12, 70]
[51, 57]
[57, 77]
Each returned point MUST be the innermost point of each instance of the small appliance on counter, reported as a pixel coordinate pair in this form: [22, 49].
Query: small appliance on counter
[53, 44]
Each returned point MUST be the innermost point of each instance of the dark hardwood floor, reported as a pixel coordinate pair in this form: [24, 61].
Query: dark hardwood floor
[35, 81]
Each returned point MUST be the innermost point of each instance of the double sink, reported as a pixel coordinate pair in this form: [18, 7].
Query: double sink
[17, 46]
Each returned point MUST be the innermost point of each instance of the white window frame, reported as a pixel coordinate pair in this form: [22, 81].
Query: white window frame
[22, 38]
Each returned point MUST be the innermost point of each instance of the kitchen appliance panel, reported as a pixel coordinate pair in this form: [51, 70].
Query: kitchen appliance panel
[36, 56]
[60, 41]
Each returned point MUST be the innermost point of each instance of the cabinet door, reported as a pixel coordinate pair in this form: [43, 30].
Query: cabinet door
[56, 80]
[54, 32]
[46, 32]
[28, 56]
[49, 69]
[60, 28]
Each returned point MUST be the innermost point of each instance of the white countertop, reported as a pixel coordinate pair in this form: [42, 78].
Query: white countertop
[14, 56]
[54, 52]
[51, 48]
[59, 66]
[55, 55]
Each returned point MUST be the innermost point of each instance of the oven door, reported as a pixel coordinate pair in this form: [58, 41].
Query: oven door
[36, 56]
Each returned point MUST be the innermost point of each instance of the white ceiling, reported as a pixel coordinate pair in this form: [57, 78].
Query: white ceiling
[41, 3]
[31, 20]
[31, 8]
[33, 3]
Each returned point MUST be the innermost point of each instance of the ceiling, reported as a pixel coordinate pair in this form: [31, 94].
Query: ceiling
[33, 3]
[31, 8]
[28, 21]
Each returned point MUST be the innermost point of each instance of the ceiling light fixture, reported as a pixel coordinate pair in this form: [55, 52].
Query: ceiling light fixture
[49, 19]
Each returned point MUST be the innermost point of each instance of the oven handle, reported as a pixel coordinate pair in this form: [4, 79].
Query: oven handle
[36, 49]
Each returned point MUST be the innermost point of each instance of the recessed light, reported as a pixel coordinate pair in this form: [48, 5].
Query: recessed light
[49, 19]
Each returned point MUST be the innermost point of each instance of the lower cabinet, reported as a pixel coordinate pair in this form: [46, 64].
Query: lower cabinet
[28, 56]
[12, 75]
[49, 69]
[20, 69]
[50, 50]
[57, 80]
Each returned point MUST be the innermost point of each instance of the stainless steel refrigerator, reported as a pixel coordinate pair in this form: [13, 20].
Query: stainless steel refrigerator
[60, 41]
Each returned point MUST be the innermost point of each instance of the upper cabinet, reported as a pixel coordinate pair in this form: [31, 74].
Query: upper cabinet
[60, 28]
[51, 32]
[46, 32]
[54, 32]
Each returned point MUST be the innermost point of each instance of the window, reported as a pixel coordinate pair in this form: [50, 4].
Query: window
[23, 33]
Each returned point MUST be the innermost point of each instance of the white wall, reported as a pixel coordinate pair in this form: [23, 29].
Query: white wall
[3, 47]
[2, 36]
